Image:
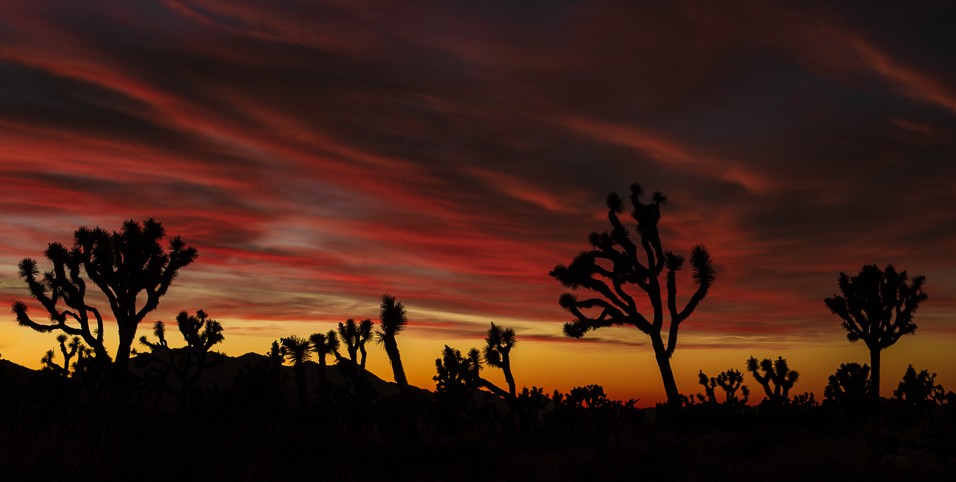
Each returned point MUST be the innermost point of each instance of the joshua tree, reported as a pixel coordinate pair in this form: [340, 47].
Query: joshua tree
[774, 372]
[354, 335]
[849, 385]
[324, 345]
[179, 369]
[392, 321]
[74, 348]
[877, 307]
[296, 350]
[457, 373]
[498, 344]
[616, 264]
[123, 265]
[730, 382]
[920, 390]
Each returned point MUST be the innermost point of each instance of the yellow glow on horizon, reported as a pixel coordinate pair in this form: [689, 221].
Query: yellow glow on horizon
[624, 371]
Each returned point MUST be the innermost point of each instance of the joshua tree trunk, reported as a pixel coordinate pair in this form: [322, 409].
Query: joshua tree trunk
[300, 387]
[398, 370]
[509, 378]
[875, 373]
[127, 332]
[664, 364]
[322, 373]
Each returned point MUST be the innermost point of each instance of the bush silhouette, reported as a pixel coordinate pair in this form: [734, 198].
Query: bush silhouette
[919, 390]
[617, 264]
[848, 386]
[877, 306]
[122, 265]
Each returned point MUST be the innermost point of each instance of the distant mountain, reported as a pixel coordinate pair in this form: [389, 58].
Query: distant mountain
[222, 371]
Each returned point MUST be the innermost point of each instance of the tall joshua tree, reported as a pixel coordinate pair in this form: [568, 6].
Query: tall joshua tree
[392, 321]
[877, 306]
[324, 345]
[616, 266]
[354, 335]
[498, 344]
[296, 350]
[129, 267]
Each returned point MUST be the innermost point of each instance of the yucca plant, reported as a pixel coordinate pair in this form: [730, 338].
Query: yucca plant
[392, 320]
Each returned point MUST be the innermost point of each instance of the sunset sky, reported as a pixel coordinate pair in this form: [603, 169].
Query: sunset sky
[320, 154]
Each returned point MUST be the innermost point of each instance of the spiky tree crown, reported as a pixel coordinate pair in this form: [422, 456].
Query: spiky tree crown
[617, 263]
[295, 349]
[498, 344]
[392, 318]
[877, 306]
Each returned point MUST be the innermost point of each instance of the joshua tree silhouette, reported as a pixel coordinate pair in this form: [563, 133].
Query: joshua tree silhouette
[877, 306]
[324, 345]
[730, 382]
[74, 348]
[123, 265]
[775, 372]
[392, 321]
[178, 370]
[458, 373]
[296, 350]
[848, 386]
[498, 344]
[920, 390]
[613, 264]
[354, 335]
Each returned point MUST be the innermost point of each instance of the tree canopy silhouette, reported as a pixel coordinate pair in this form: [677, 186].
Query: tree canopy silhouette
[877, 306]
[616, 265]
[392, 321]
[123, 265]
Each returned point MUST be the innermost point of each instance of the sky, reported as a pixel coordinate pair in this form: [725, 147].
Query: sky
[320, 154]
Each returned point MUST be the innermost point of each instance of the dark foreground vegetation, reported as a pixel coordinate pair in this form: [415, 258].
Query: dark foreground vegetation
[250, 429]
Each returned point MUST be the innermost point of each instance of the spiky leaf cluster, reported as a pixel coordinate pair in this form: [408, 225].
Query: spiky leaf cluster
[295, 349]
